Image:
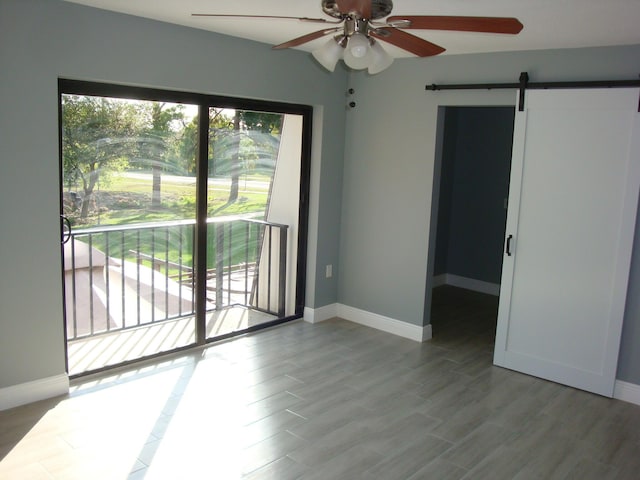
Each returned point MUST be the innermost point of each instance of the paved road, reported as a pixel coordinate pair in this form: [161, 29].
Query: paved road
[250, 186]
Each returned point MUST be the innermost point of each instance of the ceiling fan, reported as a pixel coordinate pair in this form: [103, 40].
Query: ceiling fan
[358, 32]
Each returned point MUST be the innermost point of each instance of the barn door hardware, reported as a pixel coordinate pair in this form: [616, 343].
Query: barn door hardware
[524, 85]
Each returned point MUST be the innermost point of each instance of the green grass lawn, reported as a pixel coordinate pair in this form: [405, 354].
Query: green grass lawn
[167, 247]
[126, 200]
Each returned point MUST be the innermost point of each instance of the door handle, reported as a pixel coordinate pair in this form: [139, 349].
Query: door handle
[66, 234]
[508, 247]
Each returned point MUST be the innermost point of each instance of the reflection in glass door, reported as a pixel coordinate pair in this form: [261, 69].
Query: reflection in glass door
[129, 194]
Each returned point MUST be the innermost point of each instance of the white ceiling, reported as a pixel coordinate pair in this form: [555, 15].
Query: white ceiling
[547, 23]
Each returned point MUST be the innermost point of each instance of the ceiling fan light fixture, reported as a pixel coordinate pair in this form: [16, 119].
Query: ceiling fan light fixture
[329, 54]
[357, 55]
[357, 23]
[380, 59]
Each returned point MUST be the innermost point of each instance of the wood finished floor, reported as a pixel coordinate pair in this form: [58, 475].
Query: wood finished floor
[328, 401]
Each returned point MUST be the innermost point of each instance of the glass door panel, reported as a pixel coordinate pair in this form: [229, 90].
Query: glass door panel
[129, 194]
[254, 161]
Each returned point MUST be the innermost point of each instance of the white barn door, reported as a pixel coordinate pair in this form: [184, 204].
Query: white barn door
[572, 208]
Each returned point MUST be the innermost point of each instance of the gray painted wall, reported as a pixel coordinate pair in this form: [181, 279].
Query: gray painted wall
[41, 40]
[476, 162]
[389, 164]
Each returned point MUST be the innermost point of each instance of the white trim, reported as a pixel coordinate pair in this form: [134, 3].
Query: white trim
[29, 392]
[627, 392]
[439, 280]
[320, 314]
[386, 324]
[472, 284]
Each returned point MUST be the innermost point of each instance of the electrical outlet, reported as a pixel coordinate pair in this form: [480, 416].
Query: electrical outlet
[329, 271]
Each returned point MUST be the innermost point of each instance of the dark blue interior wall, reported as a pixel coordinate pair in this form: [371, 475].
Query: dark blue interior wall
[446, 189]
[474, 186]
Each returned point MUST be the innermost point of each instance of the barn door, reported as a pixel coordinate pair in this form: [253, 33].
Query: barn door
[570, 226]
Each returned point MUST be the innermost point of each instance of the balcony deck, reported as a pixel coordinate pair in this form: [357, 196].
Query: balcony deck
[128, 300]
[94, 352]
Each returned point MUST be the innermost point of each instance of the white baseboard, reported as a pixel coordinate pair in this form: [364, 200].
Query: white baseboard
[386, 324]
[368, 319]
[315, 315]
[29, 392]
[627, 392]
[467, 283]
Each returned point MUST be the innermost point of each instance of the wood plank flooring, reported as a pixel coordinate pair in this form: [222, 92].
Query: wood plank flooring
[333, 400]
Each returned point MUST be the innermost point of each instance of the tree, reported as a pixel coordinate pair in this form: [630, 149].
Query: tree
[156, 142]
[263, 130]
[220, 141]
[264, 122]
[235, 160]
[96, 141]
[252, 137]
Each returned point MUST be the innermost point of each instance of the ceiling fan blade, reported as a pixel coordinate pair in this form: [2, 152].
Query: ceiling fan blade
[279, 17]
[460, 24]
[408, 42]
[305, 38]
[363, 7]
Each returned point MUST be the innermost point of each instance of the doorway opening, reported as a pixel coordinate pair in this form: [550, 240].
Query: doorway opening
[471, 188]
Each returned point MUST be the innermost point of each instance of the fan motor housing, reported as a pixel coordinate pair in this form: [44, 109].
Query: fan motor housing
[379, 9]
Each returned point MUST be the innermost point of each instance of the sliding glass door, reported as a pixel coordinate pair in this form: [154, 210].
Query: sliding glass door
[181, 219]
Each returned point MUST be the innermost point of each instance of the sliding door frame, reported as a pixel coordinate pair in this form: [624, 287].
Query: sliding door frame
[204, 102]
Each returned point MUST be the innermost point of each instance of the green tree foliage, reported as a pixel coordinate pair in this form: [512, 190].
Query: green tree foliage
[220, 122]
[159, 142]
[96, 141]
[264, 122]
[106, 135]
[246, 143]
[188, 146]
[261, 140]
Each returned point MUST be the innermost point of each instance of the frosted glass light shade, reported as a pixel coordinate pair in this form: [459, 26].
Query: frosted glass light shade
[358, 45]
[357, 55]
[380, 59]
[329, 54]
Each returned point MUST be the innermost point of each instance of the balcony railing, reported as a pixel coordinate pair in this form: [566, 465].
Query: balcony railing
[122, 277]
